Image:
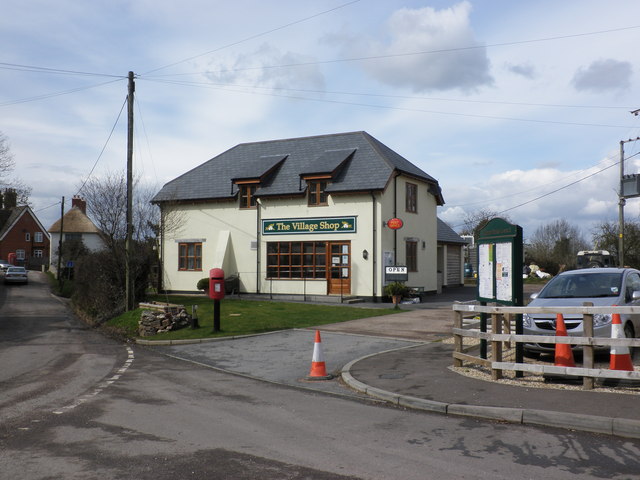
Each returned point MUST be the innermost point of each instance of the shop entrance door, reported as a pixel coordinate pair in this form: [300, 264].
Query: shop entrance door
[339, 261]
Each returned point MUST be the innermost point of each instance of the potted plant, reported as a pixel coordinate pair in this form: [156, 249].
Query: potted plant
[396, 290]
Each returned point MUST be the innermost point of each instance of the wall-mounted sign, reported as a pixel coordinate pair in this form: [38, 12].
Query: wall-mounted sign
[297, 226]
[395, 223]
[396, 273]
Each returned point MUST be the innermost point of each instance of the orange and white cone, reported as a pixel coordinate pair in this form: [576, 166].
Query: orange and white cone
[564, 355]
[318, 367]
[620, 356]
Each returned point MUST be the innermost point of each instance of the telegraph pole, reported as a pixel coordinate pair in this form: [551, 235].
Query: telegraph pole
[129, 295]
[629, 188]
[621, 203]
[60, 244]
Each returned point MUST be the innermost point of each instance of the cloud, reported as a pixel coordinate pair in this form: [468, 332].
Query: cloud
[540, 196]
[426, 30]
[525, 69]
[603, 75]
[260, 67]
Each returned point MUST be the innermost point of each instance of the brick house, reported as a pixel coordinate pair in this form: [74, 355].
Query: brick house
[23, 239]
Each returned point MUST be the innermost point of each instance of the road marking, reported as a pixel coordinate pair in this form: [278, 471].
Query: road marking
[96, 391]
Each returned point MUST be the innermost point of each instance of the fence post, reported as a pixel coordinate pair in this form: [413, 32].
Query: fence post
[496, 346]
[457, 339]
[587, 350]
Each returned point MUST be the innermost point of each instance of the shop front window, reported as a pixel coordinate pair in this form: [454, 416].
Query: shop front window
[296, 260]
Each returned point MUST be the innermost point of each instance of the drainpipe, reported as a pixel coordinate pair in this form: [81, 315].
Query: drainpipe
[258, 203]
[374, 254]
[395, 215]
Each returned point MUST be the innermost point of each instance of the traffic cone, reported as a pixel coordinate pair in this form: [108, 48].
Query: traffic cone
[620, 356]
[564, 355]
[318, 367]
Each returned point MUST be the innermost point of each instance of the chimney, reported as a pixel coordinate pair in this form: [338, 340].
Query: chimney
[10, 198]
[77, 201]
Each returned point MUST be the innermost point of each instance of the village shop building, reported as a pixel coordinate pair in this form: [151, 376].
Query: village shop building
[304, 216]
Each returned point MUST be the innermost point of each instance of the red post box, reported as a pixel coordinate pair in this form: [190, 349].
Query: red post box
[216, 283]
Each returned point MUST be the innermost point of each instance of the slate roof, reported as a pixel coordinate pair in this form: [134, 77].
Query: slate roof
[447, 235]
[358, 161]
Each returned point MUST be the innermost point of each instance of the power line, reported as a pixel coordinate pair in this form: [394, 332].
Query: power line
[103, 147]
[406, 109]
[382, 95]
[421, 52]
[55, 94]
[253, 37]
[556, 190]
[57, 71]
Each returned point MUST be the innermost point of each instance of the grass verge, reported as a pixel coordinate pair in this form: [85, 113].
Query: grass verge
[245, 317]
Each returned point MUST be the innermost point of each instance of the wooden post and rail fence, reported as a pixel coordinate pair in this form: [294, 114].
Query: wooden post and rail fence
[502, 324]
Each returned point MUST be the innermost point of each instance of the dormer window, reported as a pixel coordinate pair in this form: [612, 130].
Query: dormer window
[247, 195]
[317, 192]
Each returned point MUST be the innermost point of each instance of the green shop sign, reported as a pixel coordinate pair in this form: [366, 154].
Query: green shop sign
[289, 226]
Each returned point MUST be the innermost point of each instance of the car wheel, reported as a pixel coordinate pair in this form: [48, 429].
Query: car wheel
[629, 333]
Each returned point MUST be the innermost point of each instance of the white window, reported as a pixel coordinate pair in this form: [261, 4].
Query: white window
[20, 254]
[37, 253]
[38, 237]
[27, 237]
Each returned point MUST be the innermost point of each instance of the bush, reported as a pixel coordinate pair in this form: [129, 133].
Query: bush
[203, 284]
[396, 288]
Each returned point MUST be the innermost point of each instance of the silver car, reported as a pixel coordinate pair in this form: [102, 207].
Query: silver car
[16, 275]
[601, 286]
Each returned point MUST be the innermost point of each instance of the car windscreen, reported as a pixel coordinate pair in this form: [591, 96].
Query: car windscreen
[592, 285]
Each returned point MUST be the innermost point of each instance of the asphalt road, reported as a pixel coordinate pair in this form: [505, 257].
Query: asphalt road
[78, 406]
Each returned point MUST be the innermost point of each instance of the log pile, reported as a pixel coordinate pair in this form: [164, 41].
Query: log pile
[161, 317]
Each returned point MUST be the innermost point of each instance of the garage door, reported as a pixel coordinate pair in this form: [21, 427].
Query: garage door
[454, 256]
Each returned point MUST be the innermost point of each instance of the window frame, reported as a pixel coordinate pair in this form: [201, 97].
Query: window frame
[27, 237]
[247, 195]
[184, 257]
[411, 255]
[411, 197]
[38, 237]
[317, 192]
[297, 260]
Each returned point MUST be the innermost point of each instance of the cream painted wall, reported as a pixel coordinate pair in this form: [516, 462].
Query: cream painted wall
[209, 223]
[422, 226]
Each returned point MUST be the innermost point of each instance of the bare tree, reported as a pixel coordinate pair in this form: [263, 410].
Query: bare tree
[7, 165]
[606, 237]
[475, 221]
[554, 245]
[106, 199]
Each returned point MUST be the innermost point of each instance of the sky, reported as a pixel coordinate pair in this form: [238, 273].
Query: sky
[517, 108]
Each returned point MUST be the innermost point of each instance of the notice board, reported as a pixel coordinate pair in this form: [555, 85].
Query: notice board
[500, 261]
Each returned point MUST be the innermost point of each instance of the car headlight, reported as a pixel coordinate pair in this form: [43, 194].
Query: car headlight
[527, 321]
[600, 319]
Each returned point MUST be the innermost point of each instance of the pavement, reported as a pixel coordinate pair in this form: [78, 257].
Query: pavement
[401, 359]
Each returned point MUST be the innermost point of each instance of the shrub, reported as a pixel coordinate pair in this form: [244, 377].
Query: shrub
[396, 288]
[203, 284]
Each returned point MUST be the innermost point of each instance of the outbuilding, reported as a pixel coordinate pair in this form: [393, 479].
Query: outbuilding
[308, 217]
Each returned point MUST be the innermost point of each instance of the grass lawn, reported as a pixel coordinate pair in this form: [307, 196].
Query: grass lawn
[244, 317]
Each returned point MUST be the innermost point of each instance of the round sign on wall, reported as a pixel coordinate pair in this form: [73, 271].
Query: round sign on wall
[394, 223]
